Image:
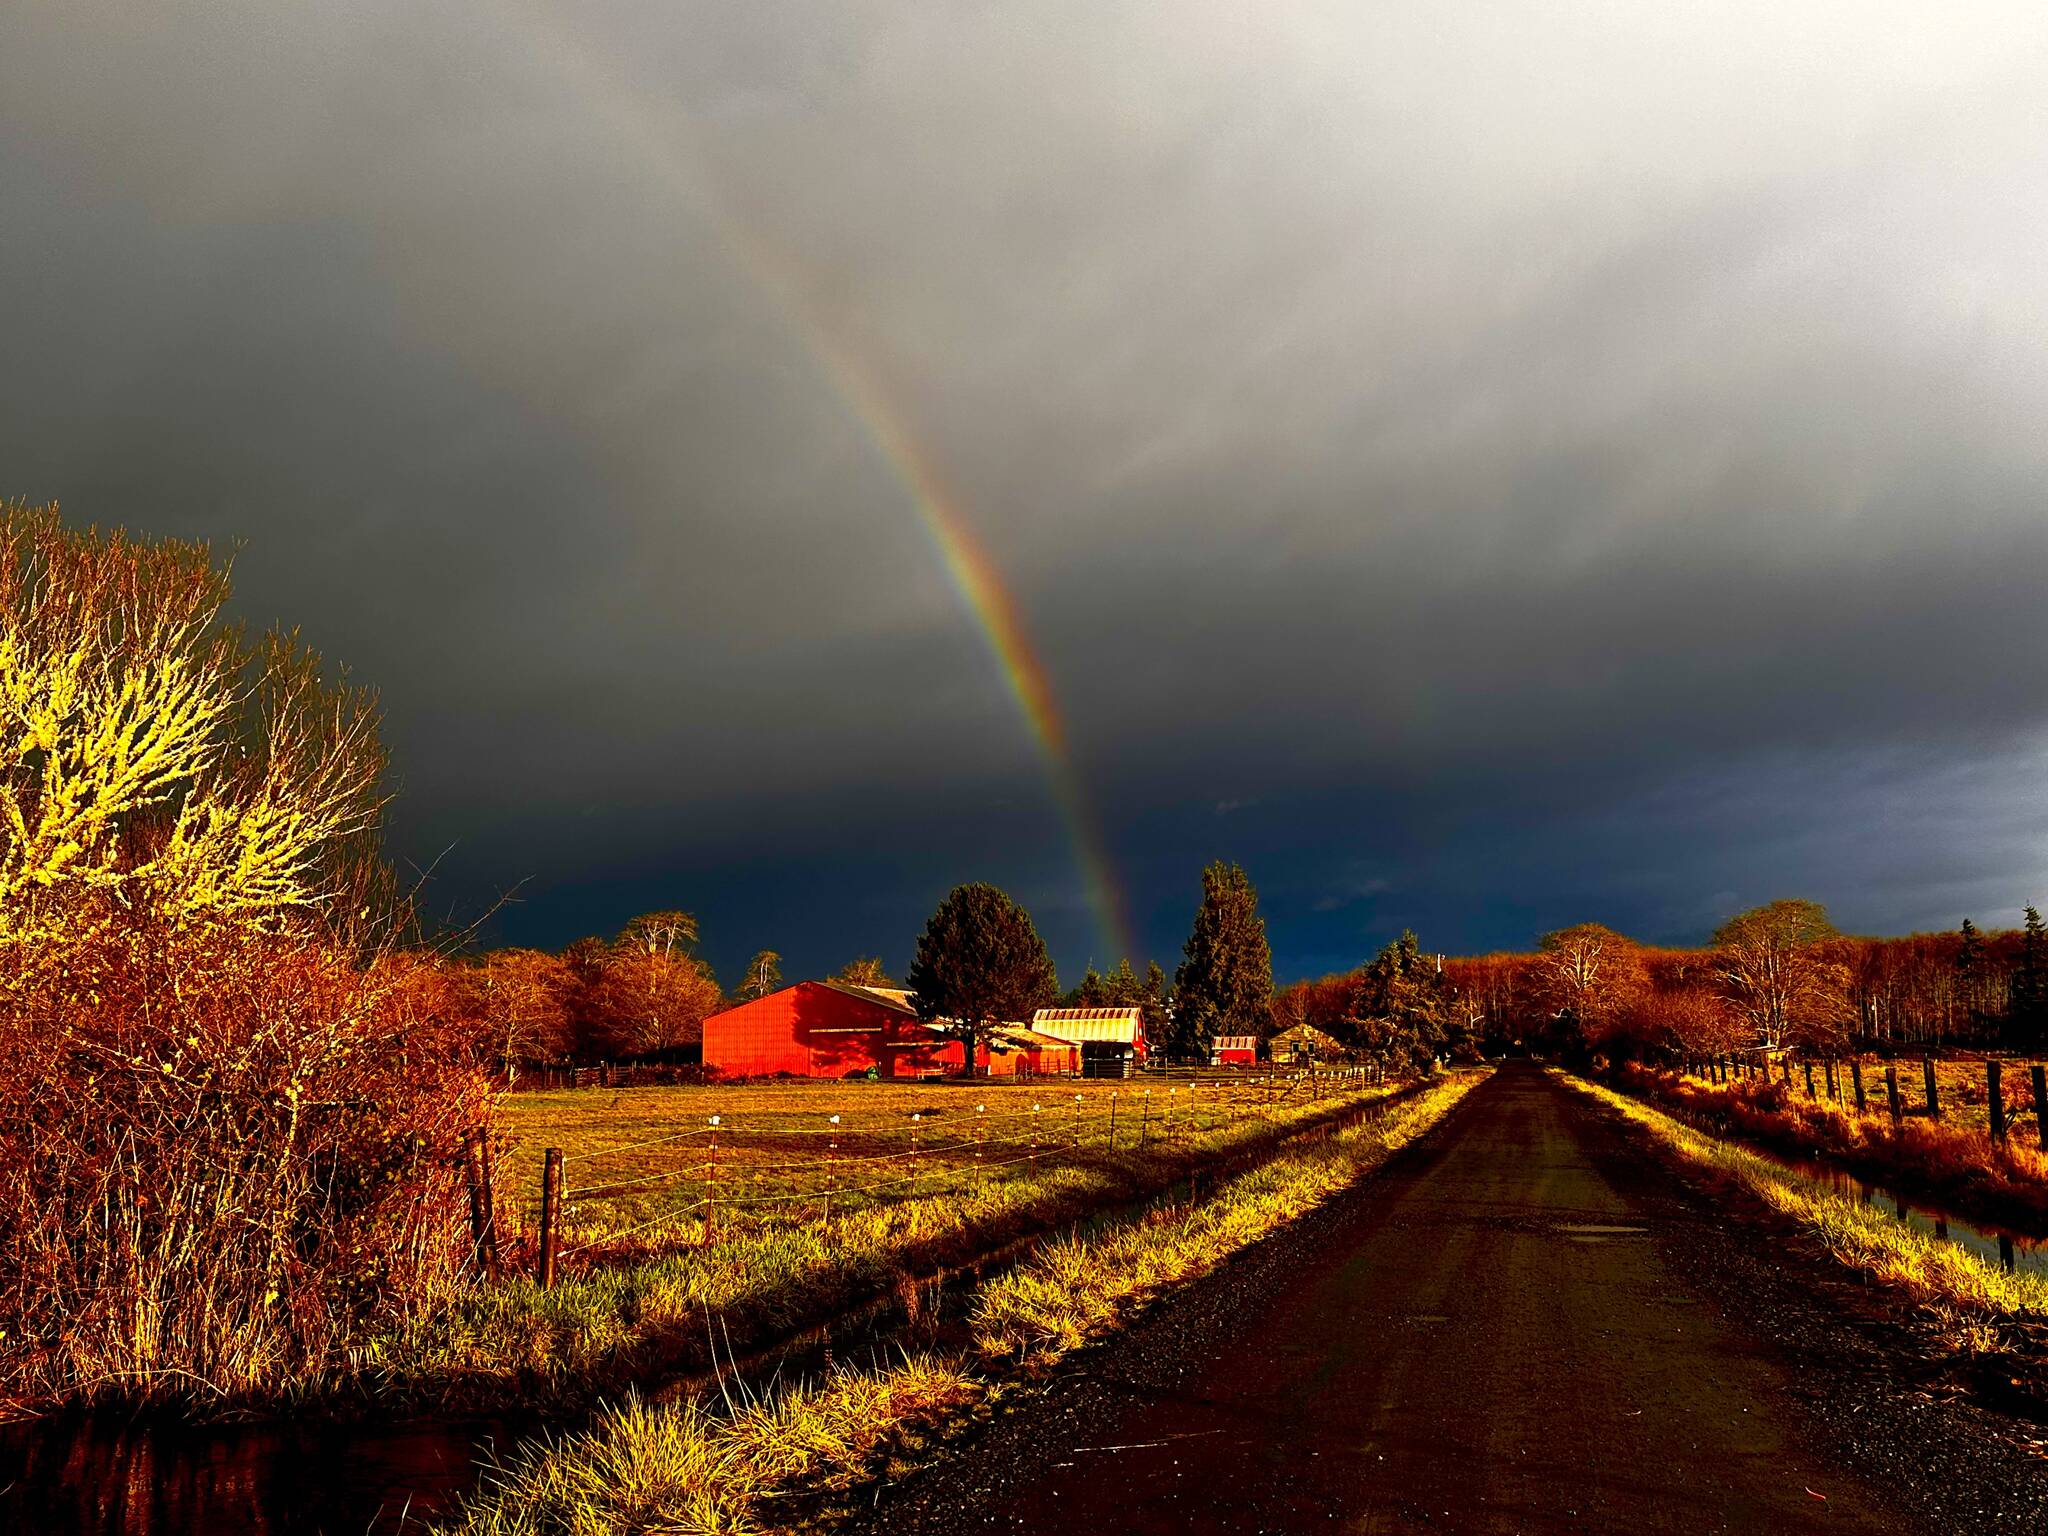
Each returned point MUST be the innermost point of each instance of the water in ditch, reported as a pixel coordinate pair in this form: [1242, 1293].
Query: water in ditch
[2012, 1251]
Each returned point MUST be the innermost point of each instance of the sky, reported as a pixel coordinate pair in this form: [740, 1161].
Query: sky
[1482, 467]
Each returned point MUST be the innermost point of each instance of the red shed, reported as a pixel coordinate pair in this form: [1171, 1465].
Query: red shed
[1235, 1051]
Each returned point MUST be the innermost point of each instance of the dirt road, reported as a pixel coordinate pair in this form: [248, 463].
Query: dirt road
[1502, 1332]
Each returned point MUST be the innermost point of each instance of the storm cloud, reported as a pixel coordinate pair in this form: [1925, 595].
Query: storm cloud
[1481, 466]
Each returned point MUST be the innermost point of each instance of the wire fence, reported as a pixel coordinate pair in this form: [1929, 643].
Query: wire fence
[753, 1163]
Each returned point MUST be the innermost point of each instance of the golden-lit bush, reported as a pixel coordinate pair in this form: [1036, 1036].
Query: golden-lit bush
[230, 1111]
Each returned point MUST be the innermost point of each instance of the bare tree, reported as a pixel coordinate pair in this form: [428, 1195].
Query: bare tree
[1778, 967]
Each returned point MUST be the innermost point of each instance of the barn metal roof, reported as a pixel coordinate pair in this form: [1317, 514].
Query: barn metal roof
[1090, 1024]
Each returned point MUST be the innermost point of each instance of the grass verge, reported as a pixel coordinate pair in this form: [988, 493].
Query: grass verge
[1927, 1269]
[1957, 1167]
[712, 1466]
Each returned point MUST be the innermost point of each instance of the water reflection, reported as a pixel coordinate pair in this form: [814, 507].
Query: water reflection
[2015, 1254]
[108, 1478]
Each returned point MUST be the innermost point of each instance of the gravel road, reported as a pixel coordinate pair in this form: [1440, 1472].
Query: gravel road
[1525, 1323]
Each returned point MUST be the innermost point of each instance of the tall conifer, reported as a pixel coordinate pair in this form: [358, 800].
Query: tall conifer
[1225, 985]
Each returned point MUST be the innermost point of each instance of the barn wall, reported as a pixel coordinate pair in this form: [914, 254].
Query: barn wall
[808, 1030]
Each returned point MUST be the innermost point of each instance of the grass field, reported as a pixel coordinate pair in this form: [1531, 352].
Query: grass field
[642, 1165]
[807, 1218]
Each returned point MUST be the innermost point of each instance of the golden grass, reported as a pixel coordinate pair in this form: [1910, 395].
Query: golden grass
[1928, 1269]
[708, 1466]
[693, 1468]
[608, 1325]
[1944, 1162]
[636, 1156]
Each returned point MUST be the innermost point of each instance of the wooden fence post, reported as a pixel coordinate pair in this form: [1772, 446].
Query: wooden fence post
[1891, 1091]
[711, 1187]
[1112, 1119]
[1933, 1098]
[550, 1213]
[1856, 1081]
[1145, 1122]
[1997, 1100]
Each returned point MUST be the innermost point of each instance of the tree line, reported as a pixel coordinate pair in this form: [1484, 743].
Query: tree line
[1777, 977]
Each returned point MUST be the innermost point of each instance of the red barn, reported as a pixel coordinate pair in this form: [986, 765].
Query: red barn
[837, 1029]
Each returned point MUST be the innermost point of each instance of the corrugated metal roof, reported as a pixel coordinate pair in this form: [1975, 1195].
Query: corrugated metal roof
[1237, 1042]
[1019, 1038]
[1090, 1024]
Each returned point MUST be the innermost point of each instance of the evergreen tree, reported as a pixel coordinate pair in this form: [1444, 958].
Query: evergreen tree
[1970, 973]
[1225, 985]
[1402, 1007]
[980, 963]
[2030, 985]
[1090, 993]
[1156, 999]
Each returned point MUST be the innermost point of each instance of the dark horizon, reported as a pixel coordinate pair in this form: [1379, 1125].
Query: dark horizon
[1480, 474]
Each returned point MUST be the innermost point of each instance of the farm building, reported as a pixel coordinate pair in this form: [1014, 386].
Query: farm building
[1304, 1043]
[1112, 1040]
[1234, 1051]
[837, 1029]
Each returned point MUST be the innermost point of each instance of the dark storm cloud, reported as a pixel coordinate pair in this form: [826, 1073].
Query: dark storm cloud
[1525, 462]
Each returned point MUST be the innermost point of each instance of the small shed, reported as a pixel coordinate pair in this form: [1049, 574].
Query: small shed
[1234, 1051]
[1302, 1044]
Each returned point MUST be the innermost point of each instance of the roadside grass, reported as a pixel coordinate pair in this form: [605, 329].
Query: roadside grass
[1940, 1274]
[712, 1465]
[1958, 1167]
[609, 1325]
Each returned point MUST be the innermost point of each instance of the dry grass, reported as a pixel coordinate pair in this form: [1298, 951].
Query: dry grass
[1928, 1269]
[712, 1466]
[1943, 1162]
[640, 1162]
[627, 1313]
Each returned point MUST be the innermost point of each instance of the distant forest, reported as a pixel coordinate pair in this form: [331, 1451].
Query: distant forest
[1779, 977]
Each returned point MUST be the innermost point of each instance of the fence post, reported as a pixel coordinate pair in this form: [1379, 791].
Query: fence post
[1856, 1080]
[1112, 1119]
[831, 1163]
[487, 1166]
[1933, 1098]
[1077, 1122]
[1891, 1092]
[711, 1186]
[1991, 1090]
[2039, 1078]
[980, 1131]
[1145, 1122]
[472, 1177]
[550, 1213]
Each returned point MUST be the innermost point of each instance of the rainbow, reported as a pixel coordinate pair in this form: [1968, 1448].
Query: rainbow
[662, 134]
